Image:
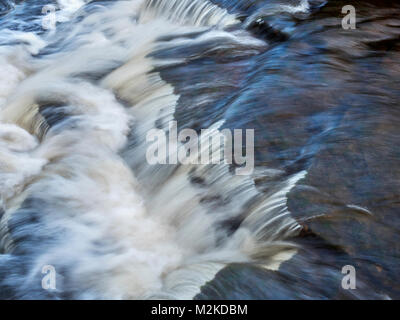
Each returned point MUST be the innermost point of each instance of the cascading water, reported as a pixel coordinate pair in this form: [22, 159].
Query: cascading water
[86, 200]
[77, 191]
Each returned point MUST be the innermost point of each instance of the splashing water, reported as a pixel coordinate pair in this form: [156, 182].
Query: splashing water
[76, 190]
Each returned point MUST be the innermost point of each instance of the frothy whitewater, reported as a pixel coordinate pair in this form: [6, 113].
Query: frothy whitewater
[76, 190]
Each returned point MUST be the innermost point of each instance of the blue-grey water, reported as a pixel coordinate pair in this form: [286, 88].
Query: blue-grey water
[83, 82]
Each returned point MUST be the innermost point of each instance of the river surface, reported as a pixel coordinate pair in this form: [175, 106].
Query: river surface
[82, 83]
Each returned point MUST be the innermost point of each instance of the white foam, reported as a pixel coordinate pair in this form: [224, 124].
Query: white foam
[127, 234]
[303, 6]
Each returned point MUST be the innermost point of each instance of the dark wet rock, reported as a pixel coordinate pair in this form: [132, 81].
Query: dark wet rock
[261, 28]
[320, 277]
[324, 100]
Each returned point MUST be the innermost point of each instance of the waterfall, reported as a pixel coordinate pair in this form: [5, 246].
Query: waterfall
[76, 190]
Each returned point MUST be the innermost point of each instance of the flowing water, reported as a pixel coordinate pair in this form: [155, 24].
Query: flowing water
[78, 194]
